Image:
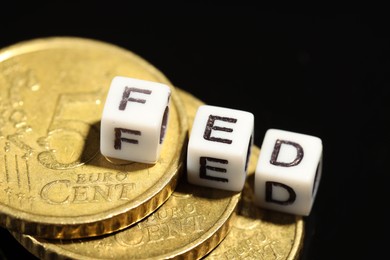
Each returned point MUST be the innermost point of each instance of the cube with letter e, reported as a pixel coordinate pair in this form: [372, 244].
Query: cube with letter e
[219, 147]
[288, 171]
[135, 119]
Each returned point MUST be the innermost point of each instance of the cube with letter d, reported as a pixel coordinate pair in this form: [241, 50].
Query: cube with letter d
[219, 147]
[288, 172]
[134, 120]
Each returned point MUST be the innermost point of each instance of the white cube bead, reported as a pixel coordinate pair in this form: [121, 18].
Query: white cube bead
[134, 120]
[288, 172]
[219, 147]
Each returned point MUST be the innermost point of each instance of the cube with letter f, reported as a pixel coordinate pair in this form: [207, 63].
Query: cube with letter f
[219, 147]
[134, 120]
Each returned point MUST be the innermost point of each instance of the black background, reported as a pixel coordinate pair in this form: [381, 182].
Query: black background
[323, 75]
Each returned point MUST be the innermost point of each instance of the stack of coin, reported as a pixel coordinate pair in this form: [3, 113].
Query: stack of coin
[60, 198]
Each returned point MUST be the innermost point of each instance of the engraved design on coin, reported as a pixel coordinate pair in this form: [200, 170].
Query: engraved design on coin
[166, 224]
[14, 131]
[70, 141]
[95, 187]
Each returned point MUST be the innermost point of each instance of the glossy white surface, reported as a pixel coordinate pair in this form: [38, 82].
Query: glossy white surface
[219, 147]
[288, 172]
[134, 120]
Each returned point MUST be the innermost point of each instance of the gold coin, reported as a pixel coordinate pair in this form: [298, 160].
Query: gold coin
[190, 224]
[54, 182]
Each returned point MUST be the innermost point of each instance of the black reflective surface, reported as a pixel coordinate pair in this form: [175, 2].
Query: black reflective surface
[325, 75]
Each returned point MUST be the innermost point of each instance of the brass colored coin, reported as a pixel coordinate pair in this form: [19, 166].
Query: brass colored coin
[54, 183]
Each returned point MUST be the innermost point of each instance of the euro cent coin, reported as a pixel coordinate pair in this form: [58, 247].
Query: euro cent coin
[54, 182]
